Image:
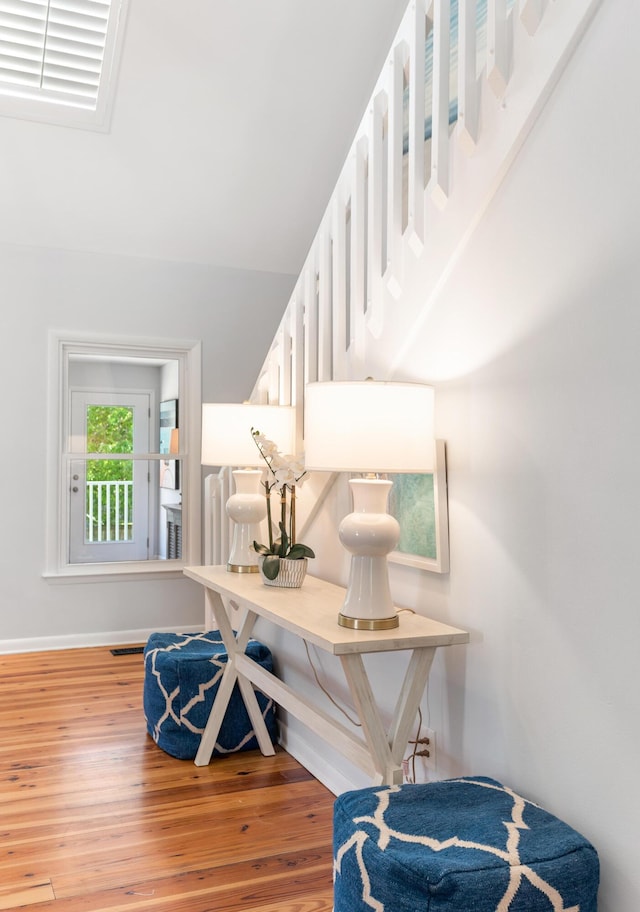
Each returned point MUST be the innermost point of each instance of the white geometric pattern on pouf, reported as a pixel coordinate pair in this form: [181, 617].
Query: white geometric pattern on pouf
[462, 845]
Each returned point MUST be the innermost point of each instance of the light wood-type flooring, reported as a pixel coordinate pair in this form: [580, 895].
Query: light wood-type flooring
[94, 816]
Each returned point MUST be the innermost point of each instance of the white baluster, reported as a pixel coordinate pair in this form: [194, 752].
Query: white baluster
[415, 199]
[468, 82]
[439, 182]
[393, 274]
[310, 321]
[284, 390]
[273, 372]
[297, 342]
[325, 281]
[376, 221]
[358, 256]
[339, 288]
[499, 46]
[531, 12]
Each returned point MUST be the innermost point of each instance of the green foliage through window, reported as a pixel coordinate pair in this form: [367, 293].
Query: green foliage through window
[109, 430]
[109, 511]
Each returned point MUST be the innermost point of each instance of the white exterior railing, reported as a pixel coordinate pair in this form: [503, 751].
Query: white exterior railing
[109, 511]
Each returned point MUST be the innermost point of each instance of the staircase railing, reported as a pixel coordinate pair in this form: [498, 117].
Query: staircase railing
[463, 84]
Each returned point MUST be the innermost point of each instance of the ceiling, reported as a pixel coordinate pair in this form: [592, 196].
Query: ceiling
[231, 122]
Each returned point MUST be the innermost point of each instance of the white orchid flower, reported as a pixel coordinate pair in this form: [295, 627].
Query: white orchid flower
[287, 472]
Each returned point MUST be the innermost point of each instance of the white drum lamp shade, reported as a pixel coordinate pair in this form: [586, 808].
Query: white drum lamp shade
[226, 432]
[369, 427]
[227, 441]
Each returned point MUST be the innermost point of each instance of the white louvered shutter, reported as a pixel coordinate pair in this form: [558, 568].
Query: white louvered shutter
[53, 49]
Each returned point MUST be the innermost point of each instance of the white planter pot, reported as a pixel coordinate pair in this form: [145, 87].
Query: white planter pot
[290, 575]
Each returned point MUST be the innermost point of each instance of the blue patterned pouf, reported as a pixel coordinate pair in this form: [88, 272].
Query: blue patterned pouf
[182, 676]
[462, 845]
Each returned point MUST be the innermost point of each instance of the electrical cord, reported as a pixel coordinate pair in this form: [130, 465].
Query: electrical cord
[326, 692]
[412, 756]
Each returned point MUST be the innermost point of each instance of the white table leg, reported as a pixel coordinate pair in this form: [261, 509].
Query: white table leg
[413, 687]
[230, 676]
[388, 750]
[216, 716]
[388, 770]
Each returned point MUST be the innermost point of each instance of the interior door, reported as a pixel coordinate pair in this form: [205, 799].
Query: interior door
[109, 494]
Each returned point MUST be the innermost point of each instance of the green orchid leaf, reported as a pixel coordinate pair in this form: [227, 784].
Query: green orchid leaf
[261, 549]
[298, 551]
[271, 566]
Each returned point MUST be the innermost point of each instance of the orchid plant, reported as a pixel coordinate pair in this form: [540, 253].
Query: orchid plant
[285, 472]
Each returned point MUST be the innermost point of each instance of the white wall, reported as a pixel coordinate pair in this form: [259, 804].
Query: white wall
[533, 347]
[42, 290]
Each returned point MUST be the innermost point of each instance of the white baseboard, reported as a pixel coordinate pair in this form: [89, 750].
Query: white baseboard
[84, 640]
[315, 756]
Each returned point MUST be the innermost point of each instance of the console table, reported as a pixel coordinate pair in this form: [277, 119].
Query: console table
[311, 613]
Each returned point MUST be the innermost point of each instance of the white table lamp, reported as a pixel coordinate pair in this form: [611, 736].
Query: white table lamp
[227, 441]
[369, 427]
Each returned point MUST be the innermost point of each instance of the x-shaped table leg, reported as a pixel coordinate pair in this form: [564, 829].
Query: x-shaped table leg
[387, 748]
[235, 646]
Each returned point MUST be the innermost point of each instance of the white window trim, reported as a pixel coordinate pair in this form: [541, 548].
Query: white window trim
[27, 105]
[188, 354]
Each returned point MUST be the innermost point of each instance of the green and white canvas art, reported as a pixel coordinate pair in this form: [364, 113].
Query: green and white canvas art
[411, 501]
[419, 503]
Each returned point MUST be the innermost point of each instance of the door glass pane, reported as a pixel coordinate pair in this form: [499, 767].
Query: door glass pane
[109, 512]
[109, 487]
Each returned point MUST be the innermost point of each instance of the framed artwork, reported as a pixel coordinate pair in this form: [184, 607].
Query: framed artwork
[419, 503]
[169, 468]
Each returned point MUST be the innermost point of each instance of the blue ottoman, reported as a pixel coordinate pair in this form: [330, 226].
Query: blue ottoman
[182, 676]
[462, 845]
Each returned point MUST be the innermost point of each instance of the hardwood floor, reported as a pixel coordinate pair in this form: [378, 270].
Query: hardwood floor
[94, 816]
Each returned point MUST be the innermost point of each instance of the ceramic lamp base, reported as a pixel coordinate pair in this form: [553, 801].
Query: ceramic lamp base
[247, 508]
[369, 533]
[242, 568]
[368, 623]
